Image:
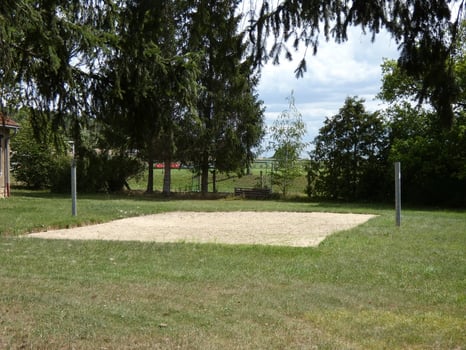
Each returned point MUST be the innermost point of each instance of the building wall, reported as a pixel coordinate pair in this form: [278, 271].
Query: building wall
[4, 163]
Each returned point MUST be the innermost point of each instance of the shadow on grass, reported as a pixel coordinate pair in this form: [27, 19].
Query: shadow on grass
[136, 195]
[157, 196]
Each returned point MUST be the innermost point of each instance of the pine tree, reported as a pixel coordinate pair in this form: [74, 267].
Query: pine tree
[230, 116]
[146, 81]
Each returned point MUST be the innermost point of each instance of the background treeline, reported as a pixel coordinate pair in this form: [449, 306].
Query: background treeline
[130, 83]
[355, 150]
[134, 82]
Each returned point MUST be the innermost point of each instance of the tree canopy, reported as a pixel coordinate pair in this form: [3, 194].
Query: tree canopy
[432, 157]
[145, 80]
[426, 32]
[230, 120]
[350, 155]
[179, 77]
[45, 44]
[160, 77]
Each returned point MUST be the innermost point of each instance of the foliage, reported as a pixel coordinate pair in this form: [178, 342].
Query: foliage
[396, 86]
[432, 154]
[177, 79]
[433, 163]
[148, 81]
[427, 33]
[432, 157]
[97, 171]
[349, 161]
[230, 121]
[45, 163]
[47, 47]
[34, 163]
[287, 144]
[179, 88]
[103, 171]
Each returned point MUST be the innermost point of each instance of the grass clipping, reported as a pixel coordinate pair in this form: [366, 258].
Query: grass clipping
[265, 228]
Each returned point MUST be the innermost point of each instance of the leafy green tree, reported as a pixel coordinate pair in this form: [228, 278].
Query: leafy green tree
[433, 158]
[40, 38]
[398, 88]
[432, 163]
[286, 142]
[350, 154]
[57, 55]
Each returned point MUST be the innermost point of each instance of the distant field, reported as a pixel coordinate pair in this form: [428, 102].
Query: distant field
[184, 180]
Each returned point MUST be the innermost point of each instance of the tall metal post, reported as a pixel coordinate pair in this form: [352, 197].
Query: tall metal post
[74, 209]
[398, 193]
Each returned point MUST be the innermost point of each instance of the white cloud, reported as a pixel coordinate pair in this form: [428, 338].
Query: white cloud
[336, 72]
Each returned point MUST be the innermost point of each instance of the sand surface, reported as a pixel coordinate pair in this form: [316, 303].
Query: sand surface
[268, 228]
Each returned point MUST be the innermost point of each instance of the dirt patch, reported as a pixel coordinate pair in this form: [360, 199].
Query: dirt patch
[268, 228]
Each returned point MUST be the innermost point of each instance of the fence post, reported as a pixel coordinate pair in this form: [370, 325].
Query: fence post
[74, 209]
[398, 193]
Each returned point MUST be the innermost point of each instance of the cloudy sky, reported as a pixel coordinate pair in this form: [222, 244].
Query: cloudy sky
[336, 72]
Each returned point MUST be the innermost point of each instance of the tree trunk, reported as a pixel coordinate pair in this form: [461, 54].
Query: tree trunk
[150, 177]
[167, 177]
[205, 175]
[214, 181]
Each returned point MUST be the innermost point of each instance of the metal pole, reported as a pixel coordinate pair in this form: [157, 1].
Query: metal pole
[398, 193]
[74, 209]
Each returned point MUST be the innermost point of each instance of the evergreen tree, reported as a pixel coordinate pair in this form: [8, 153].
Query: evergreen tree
[46, 47]
[146, 81]
[230, 117]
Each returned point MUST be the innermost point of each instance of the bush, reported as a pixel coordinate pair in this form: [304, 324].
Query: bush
[47, 163]
[97, 172]
[39, 165]
[33, 164]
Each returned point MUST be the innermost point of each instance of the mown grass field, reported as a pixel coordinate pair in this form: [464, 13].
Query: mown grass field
[373, 287]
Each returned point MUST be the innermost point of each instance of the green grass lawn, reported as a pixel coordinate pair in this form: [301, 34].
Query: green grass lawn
[373, 287]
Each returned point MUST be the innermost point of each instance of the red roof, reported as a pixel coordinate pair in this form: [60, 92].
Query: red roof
[8, 122]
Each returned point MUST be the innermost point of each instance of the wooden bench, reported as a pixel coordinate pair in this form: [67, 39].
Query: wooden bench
[253, 193]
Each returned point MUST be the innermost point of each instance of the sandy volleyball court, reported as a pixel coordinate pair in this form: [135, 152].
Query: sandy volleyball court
[268, 228]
